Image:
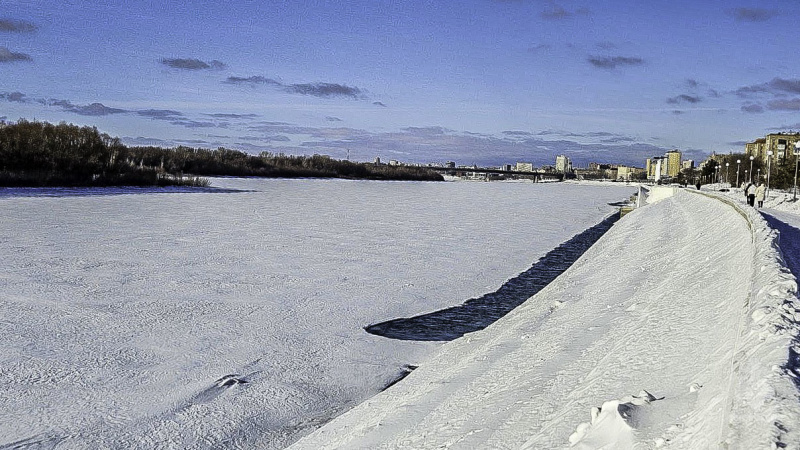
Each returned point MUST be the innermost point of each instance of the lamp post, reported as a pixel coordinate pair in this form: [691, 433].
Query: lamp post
[751, 167]
[796, 158]
[716, 175]
[758, 177]
[769, 169]
[738, 164]
[726, 172]
[745, 174]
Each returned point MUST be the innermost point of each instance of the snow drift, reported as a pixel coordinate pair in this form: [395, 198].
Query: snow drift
[685, 302]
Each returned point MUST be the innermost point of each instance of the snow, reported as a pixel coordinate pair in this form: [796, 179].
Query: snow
[677, 329]
[233, 317]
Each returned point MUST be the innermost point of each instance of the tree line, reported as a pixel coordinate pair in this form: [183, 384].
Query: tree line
[781, 172]
[44, 154]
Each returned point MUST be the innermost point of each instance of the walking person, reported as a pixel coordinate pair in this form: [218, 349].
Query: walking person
[750, 194]
[761, 191]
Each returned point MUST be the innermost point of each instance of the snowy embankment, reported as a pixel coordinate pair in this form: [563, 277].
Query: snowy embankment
[677, 329]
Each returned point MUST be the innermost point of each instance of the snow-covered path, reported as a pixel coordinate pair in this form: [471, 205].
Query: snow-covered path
[662, 304]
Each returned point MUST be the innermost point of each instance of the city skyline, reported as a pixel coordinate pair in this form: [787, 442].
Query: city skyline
[482, 82]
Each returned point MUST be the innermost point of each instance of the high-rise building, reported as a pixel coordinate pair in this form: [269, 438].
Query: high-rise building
[668, 166]
[563, 164]
[673, 163]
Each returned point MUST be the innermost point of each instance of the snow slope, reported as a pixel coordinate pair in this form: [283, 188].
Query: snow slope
[675, 330]
[135, 318]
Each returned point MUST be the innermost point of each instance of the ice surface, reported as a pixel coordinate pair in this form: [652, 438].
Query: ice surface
[207, 319]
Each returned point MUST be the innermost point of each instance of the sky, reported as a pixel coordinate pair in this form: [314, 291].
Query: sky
[484, 82]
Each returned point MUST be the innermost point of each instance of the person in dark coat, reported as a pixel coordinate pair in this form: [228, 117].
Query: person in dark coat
[750, 193]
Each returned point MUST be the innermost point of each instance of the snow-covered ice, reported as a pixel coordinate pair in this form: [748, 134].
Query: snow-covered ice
[677, 329]
[134, 318]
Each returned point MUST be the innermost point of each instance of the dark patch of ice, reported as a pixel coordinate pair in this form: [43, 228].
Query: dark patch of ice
[478, 313]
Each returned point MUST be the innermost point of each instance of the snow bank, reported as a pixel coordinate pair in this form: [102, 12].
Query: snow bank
[658, 193]
[683, 301]
[765, 407]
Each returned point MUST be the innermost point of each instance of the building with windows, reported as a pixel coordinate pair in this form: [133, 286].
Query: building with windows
[780, 144]
[625, 173]
[563, 164]
[524, 167]
[667, 166]
[673, 160]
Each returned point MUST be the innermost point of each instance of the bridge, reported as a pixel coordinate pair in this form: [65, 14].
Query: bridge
[537, 176]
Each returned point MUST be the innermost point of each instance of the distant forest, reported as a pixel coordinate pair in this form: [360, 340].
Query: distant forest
[43, 154]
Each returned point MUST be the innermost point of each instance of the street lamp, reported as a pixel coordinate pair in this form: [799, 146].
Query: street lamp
[758, 177]
[769, 169]
[796, 158]
[738, 163]
[726, 172]
[751, 167]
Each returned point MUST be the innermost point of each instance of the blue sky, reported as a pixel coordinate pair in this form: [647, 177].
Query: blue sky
[476, 81]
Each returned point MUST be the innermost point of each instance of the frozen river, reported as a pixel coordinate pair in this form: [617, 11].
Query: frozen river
[234, 318]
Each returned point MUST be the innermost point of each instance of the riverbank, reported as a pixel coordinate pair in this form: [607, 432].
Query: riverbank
[675, 328]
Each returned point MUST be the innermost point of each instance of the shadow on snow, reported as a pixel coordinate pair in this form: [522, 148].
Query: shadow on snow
[789, 242]
[478, 313]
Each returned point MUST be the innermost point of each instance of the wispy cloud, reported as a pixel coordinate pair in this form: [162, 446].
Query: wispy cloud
[684, 98]
[426, 131]
[17, 97]
[16, 26]
[92, 109]
[381, 104]
[322, 90]
[7, 56]
[161, 114]
[612, 62]
[232, 116]
[539, 48]
[776, 86]
[784, 104]
[254, 80]
[145, 141]
[557, 12]
[753, 14]
[753, 108]
[443, 144]
[192, 64]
